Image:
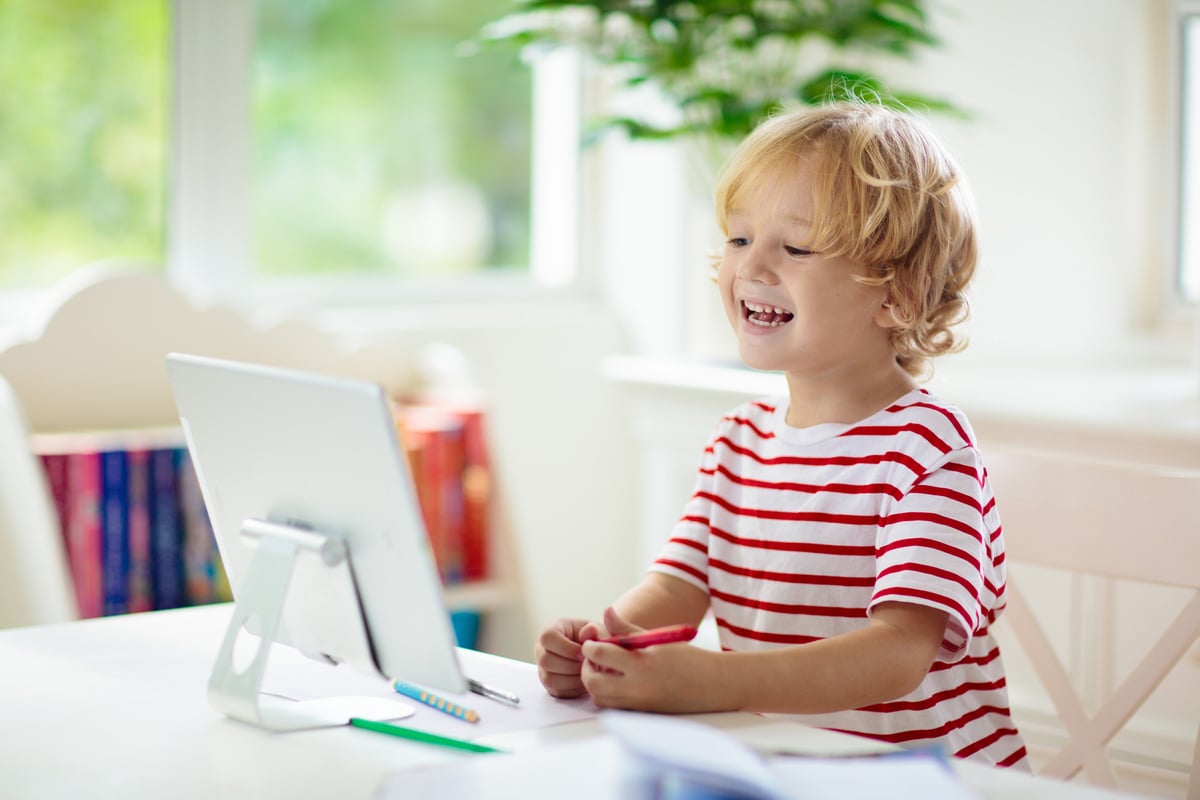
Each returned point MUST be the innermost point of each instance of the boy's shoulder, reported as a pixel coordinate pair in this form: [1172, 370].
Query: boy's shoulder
[759, 412]
[923, 412]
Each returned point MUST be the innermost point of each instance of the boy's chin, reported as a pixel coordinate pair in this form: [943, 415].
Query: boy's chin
[755, 359]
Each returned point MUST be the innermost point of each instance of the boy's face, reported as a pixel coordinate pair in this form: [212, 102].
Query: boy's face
[792, 309]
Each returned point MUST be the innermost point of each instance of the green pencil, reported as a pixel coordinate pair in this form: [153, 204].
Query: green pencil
[420, 736]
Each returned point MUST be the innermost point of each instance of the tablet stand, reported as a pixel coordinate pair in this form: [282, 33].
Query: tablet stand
[260, 602]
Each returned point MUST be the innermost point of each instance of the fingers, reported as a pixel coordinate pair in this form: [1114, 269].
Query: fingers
[592, 630]
[562, 686]
[560, 659]
[616, 625]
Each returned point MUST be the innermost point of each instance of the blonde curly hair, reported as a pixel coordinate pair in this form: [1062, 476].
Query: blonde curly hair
[888, 196]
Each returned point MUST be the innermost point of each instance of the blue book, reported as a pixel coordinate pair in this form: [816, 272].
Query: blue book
[114, 537]
[198, 548]
[166, 529]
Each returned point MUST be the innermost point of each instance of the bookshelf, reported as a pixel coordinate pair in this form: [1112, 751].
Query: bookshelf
[91, 379]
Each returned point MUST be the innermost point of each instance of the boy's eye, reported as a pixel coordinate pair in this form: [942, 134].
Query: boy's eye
[797, 251]
[737, 241]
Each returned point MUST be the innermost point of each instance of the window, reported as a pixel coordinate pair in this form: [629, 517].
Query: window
[384, 143]
[245, 144]
[82, 135]
[1189, 155]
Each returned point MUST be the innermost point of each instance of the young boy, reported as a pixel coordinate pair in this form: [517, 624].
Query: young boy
[845, 537]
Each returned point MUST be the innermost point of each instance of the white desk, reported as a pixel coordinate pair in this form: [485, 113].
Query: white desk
[116, 708]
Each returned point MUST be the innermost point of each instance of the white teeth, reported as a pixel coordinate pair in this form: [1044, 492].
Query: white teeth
[758, 309]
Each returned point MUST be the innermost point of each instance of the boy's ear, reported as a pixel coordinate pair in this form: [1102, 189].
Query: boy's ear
[885, 315]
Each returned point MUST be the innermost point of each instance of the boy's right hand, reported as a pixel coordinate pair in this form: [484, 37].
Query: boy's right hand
[560, 657]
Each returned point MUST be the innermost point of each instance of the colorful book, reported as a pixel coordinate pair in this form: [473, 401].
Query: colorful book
[477, 495]
[434, 443]
[114, 478]
[139, 576]
[84, 531]
[57, 480]
[198, 550]
[166, 529]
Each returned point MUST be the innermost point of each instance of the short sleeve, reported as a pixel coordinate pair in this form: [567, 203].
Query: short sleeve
[935, 548]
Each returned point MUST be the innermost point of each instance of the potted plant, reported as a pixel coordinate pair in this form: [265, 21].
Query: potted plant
[728, 64]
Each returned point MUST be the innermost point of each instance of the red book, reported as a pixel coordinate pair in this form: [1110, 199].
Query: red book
[472, 488]
[477, 496]
[57, 479]
[433, 442]
[84, 532]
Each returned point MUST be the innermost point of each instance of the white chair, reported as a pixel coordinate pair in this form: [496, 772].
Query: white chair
[35, 586]
[1109, 519]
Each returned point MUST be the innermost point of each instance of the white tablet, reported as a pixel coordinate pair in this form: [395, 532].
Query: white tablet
[317, 453]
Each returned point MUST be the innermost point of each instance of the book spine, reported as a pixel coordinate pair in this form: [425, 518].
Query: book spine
[477, 497]
[85, 549]
[166, 529]
[139, 580]
[450, 487]
[58, 481]
[197, 536]
[115, 521]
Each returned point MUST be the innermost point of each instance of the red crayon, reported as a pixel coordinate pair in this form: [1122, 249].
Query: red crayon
[671, 633]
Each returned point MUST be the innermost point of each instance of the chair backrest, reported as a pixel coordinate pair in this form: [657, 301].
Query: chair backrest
[1111, 519]
[34, 587]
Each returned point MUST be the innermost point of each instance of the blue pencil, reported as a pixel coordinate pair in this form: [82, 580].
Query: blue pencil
[432, 700]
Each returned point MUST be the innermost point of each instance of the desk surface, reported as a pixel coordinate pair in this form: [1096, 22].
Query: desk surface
[116, 707]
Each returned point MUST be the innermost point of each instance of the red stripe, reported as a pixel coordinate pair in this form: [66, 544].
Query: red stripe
[791, 547]
[963, 469]
[951, 418]
[692, 543]
[1017, 757]
[759, 636]
[939, 601]
[793, 577]
[936, 572]
[978, 661]
[900, 737]
[931, 544]
[679, 565]
[948, 494]
[790, 516]
[987, 741]
[750, 424]
[789, 608]
[827, 461]
[811, 488]
[893, 430]
[936, 519]
[934, 699]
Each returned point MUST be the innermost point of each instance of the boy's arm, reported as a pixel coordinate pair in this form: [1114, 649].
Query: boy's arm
[882, 661]
[661, 600]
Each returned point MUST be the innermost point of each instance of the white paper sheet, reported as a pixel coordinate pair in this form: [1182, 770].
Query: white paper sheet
[293, 676]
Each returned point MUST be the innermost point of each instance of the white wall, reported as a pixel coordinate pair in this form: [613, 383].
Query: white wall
[1069, 154]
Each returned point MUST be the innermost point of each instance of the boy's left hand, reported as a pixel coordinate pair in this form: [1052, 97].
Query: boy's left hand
[672, 678]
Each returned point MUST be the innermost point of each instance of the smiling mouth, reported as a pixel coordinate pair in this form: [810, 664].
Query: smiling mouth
[765, 316]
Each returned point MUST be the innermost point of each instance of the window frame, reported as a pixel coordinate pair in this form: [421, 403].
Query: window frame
[1185, 191]
[209, 236]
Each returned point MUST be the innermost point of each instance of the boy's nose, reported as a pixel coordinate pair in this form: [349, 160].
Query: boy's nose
[755, 268]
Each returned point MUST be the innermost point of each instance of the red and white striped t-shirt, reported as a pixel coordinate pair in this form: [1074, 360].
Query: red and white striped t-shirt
[795, 534]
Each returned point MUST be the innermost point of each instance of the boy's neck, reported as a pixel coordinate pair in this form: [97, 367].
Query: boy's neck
[815, 400]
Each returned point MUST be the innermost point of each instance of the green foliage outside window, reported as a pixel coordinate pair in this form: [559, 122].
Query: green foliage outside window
[383, 143]
[82, 135]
